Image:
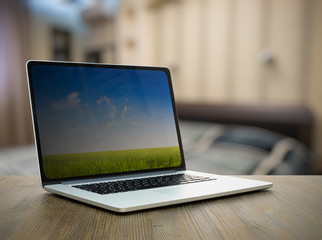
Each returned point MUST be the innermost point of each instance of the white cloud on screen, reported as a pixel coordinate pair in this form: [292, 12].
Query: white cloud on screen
[111, 108]
[70, 101]
[124, 111]
[103, 99]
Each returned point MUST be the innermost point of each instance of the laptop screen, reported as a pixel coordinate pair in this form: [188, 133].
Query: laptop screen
[95, 119]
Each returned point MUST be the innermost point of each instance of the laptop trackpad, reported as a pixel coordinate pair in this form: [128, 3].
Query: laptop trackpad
[184, 190]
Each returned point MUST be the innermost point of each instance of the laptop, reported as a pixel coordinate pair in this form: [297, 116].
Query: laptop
[108, 135]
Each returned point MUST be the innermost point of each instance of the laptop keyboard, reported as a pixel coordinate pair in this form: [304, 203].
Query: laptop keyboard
[141, 183]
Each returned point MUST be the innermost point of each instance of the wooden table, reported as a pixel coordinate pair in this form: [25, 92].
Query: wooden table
[292, 209]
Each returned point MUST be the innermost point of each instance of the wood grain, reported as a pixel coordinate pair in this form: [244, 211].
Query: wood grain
[290, 210]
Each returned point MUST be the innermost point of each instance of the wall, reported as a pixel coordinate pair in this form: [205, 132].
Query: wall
[41, 25]
[314, 73]
[230, 51]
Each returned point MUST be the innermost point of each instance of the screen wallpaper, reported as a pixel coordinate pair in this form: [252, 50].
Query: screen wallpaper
[103, 120]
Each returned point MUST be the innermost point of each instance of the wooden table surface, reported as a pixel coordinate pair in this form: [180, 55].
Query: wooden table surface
[292, 209]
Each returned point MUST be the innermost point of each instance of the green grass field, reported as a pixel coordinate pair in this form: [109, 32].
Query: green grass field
[92, 163]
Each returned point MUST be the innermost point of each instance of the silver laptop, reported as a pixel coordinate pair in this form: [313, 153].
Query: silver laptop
[108, 135]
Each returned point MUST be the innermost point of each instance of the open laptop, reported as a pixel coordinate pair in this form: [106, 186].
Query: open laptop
[108, 135]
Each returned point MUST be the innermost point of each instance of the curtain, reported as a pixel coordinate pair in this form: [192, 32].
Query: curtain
[15, 116]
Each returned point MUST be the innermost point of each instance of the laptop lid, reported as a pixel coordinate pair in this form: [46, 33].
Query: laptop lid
[98, 120]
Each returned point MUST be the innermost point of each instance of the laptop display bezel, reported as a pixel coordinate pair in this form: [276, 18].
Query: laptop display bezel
[30, 64]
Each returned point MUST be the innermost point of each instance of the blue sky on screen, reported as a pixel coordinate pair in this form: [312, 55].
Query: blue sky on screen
[82, 109]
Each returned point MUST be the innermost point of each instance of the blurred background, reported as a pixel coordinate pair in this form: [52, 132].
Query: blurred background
[257, 53]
